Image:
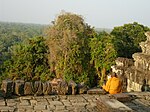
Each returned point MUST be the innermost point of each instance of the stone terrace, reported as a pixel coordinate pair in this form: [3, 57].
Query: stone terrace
[69, 103]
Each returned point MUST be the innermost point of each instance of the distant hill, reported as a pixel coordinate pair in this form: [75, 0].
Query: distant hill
[108, 30]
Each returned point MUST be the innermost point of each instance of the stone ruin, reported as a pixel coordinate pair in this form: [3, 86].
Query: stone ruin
[135, 73]
[38, 88]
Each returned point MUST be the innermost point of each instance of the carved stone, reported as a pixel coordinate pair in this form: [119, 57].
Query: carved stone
[62, 88]
[19, 87]
[38, 88]
[47, 88]
[28, 88]
[72, 87]
[7, 88]
[138, 74]
[82, 88]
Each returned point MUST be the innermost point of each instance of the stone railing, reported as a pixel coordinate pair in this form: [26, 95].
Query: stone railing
[37, 88]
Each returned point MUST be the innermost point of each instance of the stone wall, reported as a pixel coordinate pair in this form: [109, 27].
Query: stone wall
[37, 88]
[135, 73]
[122, 64]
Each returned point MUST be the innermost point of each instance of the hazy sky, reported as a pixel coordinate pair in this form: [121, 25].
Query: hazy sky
[97, 13]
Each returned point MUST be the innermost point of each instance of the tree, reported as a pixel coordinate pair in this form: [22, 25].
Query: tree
[14, 33]
[128, 37]
[68, 41]
[103, 53]
[29, 60]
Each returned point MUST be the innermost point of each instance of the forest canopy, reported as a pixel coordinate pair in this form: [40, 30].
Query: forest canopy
[69, 49]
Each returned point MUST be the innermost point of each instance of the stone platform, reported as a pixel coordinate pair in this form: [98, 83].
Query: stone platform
[70, 103]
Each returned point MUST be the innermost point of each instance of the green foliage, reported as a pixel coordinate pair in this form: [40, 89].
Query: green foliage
[68, 42]
[72, 50]
[103, 53]
[13, 33]
[29, 60]
[128, 37]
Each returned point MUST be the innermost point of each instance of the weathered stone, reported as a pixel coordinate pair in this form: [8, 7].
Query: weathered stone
[51, 107]
[56, 103]
[6, 109]
[72, 87]
[60, 107]
[142, 61]
[54, 83]
[62, 88]
[12, 102]
[47, 88]
[123, 97]
[19, 87]
[2, 103]
[124, 62]
[26, 98]
[96, 91]
[39, 107]
[105, 104]
[28, 88]
[7, 88]
[24, 103]
[139, 72]
[25, 107]
[33, 102]
[139, 75]
[148, 35]
[82, 88]
[38, 88]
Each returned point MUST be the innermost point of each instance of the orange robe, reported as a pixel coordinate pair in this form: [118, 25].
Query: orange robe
[113, 86]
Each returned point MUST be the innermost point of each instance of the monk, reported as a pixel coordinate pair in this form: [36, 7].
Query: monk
[113, 85]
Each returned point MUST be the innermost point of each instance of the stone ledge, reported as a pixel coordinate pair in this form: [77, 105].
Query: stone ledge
[96, 91]
[106, 104]
[122, 97]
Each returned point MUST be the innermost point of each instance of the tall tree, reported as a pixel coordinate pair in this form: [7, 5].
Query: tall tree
[68, 41]
[128, 37]
[103, 53]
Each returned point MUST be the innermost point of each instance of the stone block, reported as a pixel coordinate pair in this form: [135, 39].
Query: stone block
[28, 88]
[40, 107]
[96, 91]
[60, 107]
[124, 62]
[141, 61]
[6, 109]
[47, 88]
[7, 88]
[56, 103]
[148, 35]
[82, 88]
[2, 103]
[33, 102]
[19, 87]
[123, 97]
[54, 85]
[62, 88]
[24, 103]
[72, 87]
[38, 88]
[106, 104]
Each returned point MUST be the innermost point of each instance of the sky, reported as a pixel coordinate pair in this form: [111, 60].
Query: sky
[97, 13]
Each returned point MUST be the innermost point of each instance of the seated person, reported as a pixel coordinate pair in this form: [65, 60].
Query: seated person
[113, 85]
